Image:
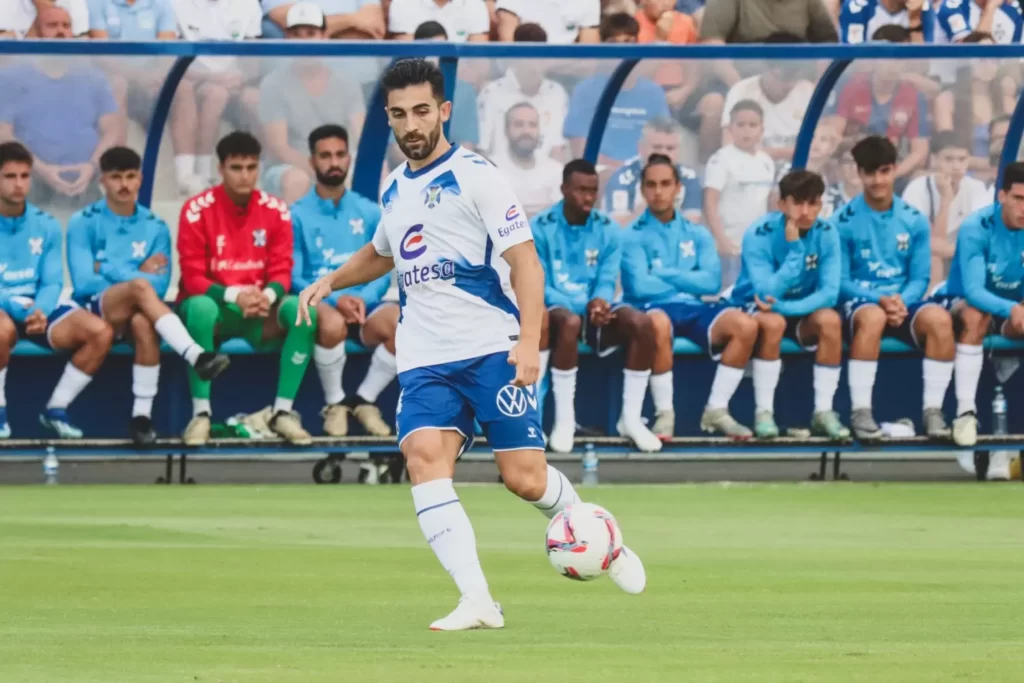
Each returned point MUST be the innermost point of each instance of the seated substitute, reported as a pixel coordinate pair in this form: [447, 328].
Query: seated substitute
[985, 290]
[669, 263]
[235, 246]
[119, 255]
[331, 224]
[886, 265]
[789, 282]
[580, 250]
[30, 287]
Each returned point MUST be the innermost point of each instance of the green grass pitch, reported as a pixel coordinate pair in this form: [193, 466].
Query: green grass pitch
[792, 583]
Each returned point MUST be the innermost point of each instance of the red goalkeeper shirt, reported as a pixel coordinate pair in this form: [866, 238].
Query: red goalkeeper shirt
[223, 247]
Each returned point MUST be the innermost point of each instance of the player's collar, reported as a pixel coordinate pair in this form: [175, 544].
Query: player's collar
[14, 223]
[109, 213]
[325, 205]
[411, 174]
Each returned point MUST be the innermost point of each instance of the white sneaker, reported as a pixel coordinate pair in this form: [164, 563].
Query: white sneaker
[562, 438]
[965, 430]
[472, 613]
[999, 465]
[643, 438]
[627, 572]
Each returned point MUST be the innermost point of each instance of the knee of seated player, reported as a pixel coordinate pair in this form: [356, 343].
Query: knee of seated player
[8, 332]
[525, 474]
[771, 327]
[935, 321]
[661, 327]
[566, 325]
[141, 289]
[430, 454]
[869, 321]
[828, 324]
[97, 333]
[331, 329]
[740, 326]
[199, 310]
[974, 325]
[142, 329]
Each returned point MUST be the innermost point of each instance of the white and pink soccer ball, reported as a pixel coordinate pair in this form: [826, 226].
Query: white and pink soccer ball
[582, 540]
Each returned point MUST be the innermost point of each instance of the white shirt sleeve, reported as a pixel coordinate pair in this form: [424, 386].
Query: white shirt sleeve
[500, 210]
[716, 174]
[478, 19]
[399, 16]
[916, 194]
[253, 21]
[591, 13]
[380, 241]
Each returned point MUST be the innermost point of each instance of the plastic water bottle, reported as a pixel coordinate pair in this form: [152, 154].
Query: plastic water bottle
[999, 421]
[589, 465]
[51, 466]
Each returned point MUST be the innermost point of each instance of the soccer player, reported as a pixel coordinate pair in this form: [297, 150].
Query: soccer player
[472, 297]
[119, 255]
[986, 286]
[668, 264]
[330, 225]
[886, 264]
[790, 283]
[31, 279]
[580, 250]
[235, 246]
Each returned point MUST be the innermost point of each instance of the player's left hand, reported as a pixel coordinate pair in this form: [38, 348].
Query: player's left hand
[764, 305]
[526, 358]
[353, 309]
[35, 322]
[599, 312]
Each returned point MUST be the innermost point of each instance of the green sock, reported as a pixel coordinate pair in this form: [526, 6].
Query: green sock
[200, 315]
[297, 349]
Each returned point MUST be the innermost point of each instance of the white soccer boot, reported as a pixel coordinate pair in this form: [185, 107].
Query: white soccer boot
[563, 437]
[627, 572]
[643, 438]
[472, 613]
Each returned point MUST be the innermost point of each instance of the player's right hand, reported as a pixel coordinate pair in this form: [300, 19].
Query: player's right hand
[764, 305]
[526, 358]
[310, 297]
[35, 322]
[250, 300]
[352, 309]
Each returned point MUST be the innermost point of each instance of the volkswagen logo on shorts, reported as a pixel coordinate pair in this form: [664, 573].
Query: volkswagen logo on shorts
[511, 401]
[412, 245]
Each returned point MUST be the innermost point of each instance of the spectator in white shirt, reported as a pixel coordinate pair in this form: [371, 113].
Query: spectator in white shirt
[737, 183]
[463, 20]
[536, 178]
[353, 19]
[564, 21]
[946, 196]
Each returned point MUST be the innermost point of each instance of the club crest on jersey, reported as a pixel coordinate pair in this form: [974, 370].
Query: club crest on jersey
[433, 197]
[412, 245]
[591, 256]
[687, 249]
[35, 245]
[139, 249]
[903, 242]
[358, 228]
[811, 262]
[259, 238]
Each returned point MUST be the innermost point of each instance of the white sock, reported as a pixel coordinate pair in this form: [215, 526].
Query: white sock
[634, 388]
[766, 380]
[145, 380]
[185, 165]
[558, 495]
[563, 386]
[968, 363]
[826, 381]
[937, 376]
[204, 166]
[172, 330]
[330, 365]
[71, 384]
[861, 377]
[449, 533]
[383, 369]
[201, 405]
[3, 388]
[545, 360]
[662, 391]
[283, 405]
[727, 381]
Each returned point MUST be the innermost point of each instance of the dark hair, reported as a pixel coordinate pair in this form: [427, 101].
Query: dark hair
[977, 37]
[14, 152]
[529, 33]
[413, 71]
[1013, 174]
[874, 152]
[946, 139]
[618, 24]
[891, 33]
[660, 160]
[329, 130]
[120, 159]
[577, 166]
[430, 29]
[238, 144]
[746, 105]
[517, 106]
[802, 186]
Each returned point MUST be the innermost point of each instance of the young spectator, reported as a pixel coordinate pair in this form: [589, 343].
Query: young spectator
[524, 81]
[639, 101]
[859, 19]
[946, 196]
[463, 20]
[64, 111]
[660, 22]
[737, 183]
[353, 19]
[571, 21]
[536, 178]
[1002, 19]
[298, 97]
[751, 21]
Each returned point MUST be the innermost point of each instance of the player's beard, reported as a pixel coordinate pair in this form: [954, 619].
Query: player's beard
[334, 177]
[427, 148]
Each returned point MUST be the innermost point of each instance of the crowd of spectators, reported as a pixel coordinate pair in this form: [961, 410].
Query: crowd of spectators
[734, 123]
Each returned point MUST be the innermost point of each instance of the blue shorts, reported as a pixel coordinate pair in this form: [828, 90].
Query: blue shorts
[903, 333]
[694, 321]
[451, 395]
[59, 313]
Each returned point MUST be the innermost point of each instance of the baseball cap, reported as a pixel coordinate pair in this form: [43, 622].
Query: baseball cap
[305, 14]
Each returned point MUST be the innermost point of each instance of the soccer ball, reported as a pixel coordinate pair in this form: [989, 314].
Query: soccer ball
[582, 540]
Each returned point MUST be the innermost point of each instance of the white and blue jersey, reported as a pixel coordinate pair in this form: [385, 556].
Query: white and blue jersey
[802, 276]
[859, 19]
[622, 196]
[119, 244]
[581, 262]
[988, 268]
[446, 226]
[327, 235]
[31, 263]
[958, 18]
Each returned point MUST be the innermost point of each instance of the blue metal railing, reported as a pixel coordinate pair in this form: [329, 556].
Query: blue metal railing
[373, 143]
